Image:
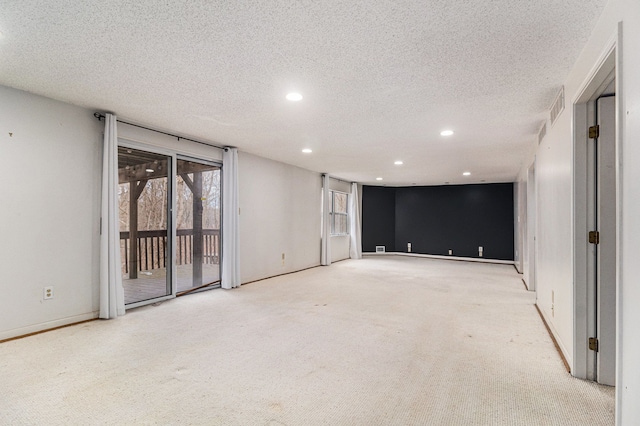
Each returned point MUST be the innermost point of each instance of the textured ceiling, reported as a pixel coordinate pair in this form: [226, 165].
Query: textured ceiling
[380, 79]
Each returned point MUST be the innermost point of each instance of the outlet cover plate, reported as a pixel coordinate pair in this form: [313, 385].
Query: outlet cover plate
[47, 293]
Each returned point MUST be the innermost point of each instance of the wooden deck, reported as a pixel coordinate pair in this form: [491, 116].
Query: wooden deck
[153, 283]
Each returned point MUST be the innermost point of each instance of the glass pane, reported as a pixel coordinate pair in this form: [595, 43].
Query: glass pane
[197, 224]
[143, 200]
[340, 202]
[340, 223]
[332, 222]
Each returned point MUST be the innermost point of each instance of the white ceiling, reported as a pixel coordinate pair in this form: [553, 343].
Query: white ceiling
[380, 79]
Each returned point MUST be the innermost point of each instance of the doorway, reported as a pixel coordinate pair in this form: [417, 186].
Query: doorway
[603, 239]
[170, 217]
[595, 225]
[530, 259]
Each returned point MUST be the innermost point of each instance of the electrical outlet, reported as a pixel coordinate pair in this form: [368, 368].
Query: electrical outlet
[450, 252]
[479, 251]
[47, 293]
[408, 247]
[283, 258]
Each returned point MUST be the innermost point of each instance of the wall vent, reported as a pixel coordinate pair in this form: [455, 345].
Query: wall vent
[380, 249]
[542, 132]
[558, 106]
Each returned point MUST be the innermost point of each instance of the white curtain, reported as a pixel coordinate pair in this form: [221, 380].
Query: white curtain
[111, 291]
[325, 258]
[230, 220]
[355, 248]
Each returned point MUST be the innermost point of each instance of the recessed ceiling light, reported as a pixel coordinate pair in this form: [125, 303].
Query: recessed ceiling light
[307, 151]
[149, 170]
[446, 132]
[398, 163]
[466, 174]
[378, 178]
[293, 96]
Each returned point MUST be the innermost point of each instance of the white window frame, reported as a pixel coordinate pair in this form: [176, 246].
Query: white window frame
[333, 214]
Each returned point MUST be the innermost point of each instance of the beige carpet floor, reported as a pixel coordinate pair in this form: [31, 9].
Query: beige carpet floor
[378, 341]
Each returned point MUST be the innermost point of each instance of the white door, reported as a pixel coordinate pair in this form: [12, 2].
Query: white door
[606, 247]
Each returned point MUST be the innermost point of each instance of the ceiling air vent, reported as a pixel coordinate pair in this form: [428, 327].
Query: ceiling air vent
[542, 132]
[558, 106]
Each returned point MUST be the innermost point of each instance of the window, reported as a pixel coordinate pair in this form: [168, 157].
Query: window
[338, 213]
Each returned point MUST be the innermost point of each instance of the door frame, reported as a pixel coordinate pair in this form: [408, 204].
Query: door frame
[171, 218]
[531, 217]
[606, 220]
[607, 67]
[215, 163]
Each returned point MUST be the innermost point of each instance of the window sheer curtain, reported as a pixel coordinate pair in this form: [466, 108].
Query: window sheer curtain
[355, 246]
[230, 220]
[325, 258]
[111, 290]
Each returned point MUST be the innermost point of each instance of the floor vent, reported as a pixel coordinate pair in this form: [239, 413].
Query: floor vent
[542, 132]
[380, 249]
[558, 106]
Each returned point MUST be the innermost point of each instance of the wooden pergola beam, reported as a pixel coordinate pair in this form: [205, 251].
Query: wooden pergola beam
[139, 171]
[198, 255]
[187, 180]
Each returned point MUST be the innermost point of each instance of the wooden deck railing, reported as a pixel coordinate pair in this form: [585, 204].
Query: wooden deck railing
[151, 247]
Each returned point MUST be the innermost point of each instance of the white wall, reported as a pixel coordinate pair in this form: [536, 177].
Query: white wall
[628, 384]
[524, 219]
[554, 187]
[553, 216]
[50, 171]
[519, 216]
[339, 247]
[339, 185]
[49, 226]
[279, 213]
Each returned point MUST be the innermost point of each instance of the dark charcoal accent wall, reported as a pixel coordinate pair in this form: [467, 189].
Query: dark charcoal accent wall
[435, 219]
[378, 218]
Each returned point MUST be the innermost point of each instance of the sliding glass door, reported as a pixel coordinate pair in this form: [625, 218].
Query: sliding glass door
[154, 265]
[197, 225]
[144, 199]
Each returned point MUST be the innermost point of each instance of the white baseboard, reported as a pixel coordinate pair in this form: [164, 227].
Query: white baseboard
[435, 256]
[35, 328]
[556, 336]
